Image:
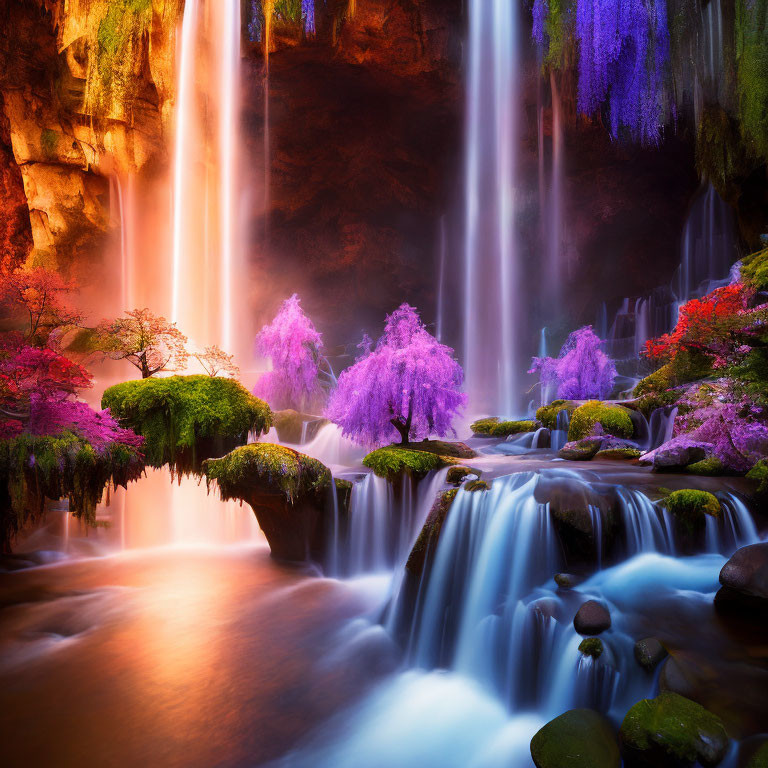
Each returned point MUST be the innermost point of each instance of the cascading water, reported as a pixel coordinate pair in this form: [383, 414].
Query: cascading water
[491, 270]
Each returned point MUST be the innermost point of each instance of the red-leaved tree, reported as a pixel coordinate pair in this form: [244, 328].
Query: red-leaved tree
[408, 386]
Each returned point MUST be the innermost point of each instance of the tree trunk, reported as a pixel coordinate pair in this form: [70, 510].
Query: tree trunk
[404, 428]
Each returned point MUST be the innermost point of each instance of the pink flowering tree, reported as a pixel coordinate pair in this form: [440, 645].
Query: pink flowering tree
[582, 371]
[295, 349]
[409, 386]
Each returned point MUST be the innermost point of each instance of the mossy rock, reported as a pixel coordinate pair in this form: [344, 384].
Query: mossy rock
[619, 454]
[579, 738]
[754, 270]
[457, 475]
[651, 401]
[391, 462]
[455, 450]
[614, 419]
[187, 419]
[759, 758]
[34, 468]
[547, 414]
[655, 383]
[288, 491]
[759, 473]
[477, 485]
[592, 646]
[581, 450]
[496, 428]
[430, 532]
[671, 731]
[690, 506]
[290, 425]
[709, 467]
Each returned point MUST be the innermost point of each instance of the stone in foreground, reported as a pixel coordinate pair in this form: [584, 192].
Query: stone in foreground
[592, 618]
[579, 738]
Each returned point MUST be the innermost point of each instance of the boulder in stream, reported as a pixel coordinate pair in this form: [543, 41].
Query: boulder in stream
[649, 653]
[671, 731]
[592, 618]
[581, 450]
[287, 490]
[579, 738]
[744, 580]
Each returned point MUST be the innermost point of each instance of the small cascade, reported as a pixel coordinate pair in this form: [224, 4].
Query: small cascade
[332, 448]
[382, 525]
[559, 435]
[661, 426]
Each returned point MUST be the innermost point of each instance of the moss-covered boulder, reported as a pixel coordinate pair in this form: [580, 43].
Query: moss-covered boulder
[288, 491]
[34, 468]
[581, 450]
[759, 473]
[393, 462]
[458, 474]
[473, 486]
[579, 738]
[754, 270]
[293, 426]
[671, 731]
[187, 419]
[690, 506]
[592, 646]
[709, 467]
[759, 757]
[619, 454]
[455, 450]
[494, 427]
[547, 414]
[615, 420]
[430, 532]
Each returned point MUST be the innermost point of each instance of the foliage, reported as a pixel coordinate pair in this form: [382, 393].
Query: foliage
[146, 341]
[410, 385]
[295, 350]
[66, 465]
[760, 473]
[393, 461]
[35, 302]
[548, 414]
[552, 22]
[273, 468]
[495, 428]
[752, 58]
[185, 419]
[581, 370]
[614, 419]
[709, 467]
[215, 361]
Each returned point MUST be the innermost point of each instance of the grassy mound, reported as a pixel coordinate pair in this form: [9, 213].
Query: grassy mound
[495, 428]
[615, 420]
[690, 506]
[36, 468]
[547, 414]
[186, 419]
[268, 468]
[392, 461]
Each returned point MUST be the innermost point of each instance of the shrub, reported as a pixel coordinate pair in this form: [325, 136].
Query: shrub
[614, 419]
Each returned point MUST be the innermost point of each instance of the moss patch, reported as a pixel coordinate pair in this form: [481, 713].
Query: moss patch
[547, 414]
[759, 473]
[430, 532]
[754, 270]
[614, 419]
[674, 727]
[496, 428]
[711, 467]
[442, 448]
[33, 468]
[477, 485]
[619, 454]
[580, 738]
[691, 505]
[186, 419]
[269, 468]
[456, 475]
[592, 646]
[392, 461]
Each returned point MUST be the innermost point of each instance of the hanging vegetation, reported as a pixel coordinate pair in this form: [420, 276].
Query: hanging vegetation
[752, 58]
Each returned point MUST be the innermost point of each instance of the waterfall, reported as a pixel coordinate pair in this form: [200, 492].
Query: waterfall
[491, 272]
[206, 240]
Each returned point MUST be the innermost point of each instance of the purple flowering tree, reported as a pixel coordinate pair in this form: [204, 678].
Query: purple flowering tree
[582, 371]
[294, 348]
[409, 386]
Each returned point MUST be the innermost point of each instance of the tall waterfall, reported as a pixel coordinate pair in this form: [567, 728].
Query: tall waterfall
[491, 272]
[206, 243]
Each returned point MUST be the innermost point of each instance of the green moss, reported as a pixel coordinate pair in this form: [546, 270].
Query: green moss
[675, 726]
[457, 474]
[711, 467]
[547, 414]
[656, 382]
[49, 140]
[759, 758]
[690, 506]
[614, 419]
[752, 77]
[430, 532]
[33, 468]
[592, 646]
[477, 485]
[185, 419]
[649, 402]
[442, 448]
[496, 428]
[760, 473]
[754, 270]
[579, 738]
[622, 454]
[269, 468]
[392, 461]
[720, 152]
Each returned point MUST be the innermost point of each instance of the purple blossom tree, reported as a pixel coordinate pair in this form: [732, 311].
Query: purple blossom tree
[294, 348]
[582, 371]
[409, 386]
